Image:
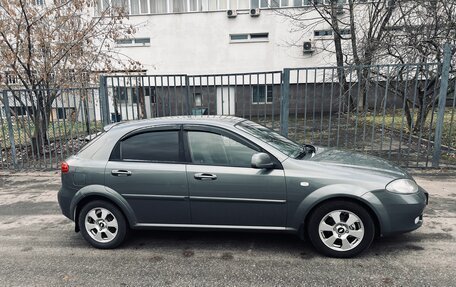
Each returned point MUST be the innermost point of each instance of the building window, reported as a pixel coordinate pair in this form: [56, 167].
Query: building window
[61, 113]
[101, 6]
[195, 5]
[21, 111]
[11, 79]
[214, 5]
[262, 94]
[243, 4]
[144, 5]
[179, 6]
[266, 4]
[252, 37]
[137, 7]
[329, 32]
[121, 5]
[158, 6]
[328, 2]
[318, 33]
[136, 42]
[121, 95]
[197, 99]
[65, 113]
[39, 2]
[254, 4]
[134, 7]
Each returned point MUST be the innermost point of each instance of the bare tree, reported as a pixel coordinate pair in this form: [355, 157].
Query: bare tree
[419, 37]
[385, 31]
[49, 46]
[358, 29]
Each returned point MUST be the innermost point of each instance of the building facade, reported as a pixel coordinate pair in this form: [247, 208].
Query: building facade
[220, 36]
[251, 40]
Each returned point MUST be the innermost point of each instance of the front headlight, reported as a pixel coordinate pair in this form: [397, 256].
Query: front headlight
[404, 186]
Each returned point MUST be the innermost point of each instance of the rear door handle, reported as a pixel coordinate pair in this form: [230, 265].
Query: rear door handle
[119, 172]
[205, 176]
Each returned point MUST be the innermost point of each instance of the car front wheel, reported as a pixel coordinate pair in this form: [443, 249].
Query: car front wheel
[102, 224]
[341, 229]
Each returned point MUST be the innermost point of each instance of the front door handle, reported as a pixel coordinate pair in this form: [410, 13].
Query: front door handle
[119, 172]
[205, 176]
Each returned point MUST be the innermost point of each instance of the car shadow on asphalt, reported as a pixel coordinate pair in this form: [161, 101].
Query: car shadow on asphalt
[192, 242]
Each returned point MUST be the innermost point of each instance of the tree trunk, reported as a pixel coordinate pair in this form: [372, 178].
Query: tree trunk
[423, 112]
[339, 54]
[408, 116]
[142, 104]
[39, 136]
[363, 74]
[40, 133]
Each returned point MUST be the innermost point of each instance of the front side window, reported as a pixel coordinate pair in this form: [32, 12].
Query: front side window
[215, 149]
[159, 146]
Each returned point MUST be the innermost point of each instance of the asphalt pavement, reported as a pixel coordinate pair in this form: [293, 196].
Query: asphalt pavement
[38, 247]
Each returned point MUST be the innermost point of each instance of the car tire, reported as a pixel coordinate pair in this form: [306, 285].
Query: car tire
[341, 229]
[102, 224]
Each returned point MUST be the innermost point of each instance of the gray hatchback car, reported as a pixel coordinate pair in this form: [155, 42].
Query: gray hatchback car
[220, 173]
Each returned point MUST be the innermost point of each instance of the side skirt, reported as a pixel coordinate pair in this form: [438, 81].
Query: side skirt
[203, 226]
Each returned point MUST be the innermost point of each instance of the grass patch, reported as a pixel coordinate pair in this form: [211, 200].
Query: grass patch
[398, 122]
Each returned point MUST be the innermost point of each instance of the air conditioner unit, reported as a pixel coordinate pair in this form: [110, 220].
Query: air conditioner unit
[231, 13]
[255, 12]
[308, 47]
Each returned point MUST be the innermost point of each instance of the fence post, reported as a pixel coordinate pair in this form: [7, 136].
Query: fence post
[285, 102]
[441, 106]
[188, 105]
[10, 128]
[104, 100]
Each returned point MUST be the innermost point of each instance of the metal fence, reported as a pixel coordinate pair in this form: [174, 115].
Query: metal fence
[404, 113]
[40, 128]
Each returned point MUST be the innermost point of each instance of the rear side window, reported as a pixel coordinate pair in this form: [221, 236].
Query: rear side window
[161, 146]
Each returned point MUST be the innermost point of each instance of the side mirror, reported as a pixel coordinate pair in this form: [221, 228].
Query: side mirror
[262, 160]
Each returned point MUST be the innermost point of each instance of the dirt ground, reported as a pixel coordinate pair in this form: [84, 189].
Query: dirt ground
[38, 247]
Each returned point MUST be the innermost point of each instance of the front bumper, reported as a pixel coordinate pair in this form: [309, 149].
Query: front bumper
[398, 213]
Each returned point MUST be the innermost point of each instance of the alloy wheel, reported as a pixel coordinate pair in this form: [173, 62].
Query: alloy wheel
[101, 225]
[341, 230]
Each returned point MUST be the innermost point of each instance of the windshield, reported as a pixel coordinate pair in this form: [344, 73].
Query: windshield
[274, 139]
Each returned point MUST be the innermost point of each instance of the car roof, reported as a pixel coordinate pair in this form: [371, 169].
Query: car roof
[176, 120]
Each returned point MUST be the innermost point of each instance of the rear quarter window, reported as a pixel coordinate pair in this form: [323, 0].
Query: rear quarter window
[84, 150]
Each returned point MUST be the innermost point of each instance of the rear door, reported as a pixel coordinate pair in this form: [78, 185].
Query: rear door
[224, 188]
[147, 168]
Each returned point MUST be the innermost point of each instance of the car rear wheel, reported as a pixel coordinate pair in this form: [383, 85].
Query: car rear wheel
[102, 224]
[341, 229]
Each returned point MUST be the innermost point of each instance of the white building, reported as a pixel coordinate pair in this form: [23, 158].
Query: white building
[207, 37]
[219, 36]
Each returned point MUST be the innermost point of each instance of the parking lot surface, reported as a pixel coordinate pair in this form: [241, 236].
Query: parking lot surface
[38, 247]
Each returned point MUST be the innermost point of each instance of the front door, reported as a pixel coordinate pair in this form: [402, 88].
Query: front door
[224, 189]
[147, 169]
[226, 100]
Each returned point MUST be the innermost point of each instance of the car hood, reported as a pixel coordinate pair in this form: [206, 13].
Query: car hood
[357, 160]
